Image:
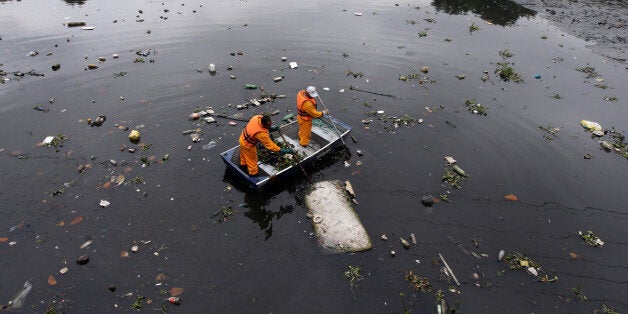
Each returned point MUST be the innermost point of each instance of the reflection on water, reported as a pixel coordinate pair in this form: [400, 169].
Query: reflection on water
[496, 11]
[73, 2]
[263, 217]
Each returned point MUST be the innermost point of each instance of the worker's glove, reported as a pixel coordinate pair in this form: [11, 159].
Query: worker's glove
[326, 111]
[273, 128]
[286, 151]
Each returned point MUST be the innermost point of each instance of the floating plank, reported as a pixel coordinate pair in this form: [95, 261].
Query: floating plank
[337, 226]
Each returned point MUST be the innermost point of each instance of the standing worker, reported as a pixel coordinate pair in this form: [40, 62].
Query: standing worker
[306, 109]
[257, 131]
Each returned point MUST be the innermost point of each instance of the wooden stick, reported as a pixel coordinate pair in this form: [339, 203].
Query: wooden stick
[449, 269]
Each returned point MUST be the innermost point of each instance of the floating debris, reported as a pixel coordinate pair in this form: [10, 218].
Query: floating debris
[18, 301]
[418, 283]
[450, 160]
[405, 243]
[459, 171]
[593, 127]
[427, 200]
[82, 260]
[76, 24]
[590, 238]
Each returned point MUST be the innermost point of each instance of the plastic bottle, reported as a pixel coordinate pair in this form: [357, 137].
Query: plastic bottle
[250, 86]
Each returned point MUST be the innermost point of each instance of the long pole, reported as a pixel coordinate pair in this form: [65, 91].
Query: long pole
[298, 158]
[332, 122]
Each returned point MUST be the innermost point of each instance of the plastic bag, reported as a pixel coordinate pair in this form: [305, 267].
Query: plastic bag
[18, 301]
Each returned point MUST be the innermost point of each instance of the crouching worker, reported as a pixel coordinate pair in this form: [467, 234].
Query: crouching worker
[256, 131]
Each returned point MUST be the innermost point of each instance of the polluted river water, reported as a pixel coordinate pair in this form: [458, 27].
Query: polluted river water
[418, 81]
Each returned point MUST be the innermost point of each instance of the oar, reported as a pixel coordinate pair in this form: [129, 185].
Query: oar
[332, 122]
[297, 156]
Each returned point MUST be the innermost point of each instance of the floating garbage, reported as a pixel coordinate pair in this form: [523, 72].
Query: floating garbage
[606, 146]
[86, 244]
[427, 200]
[339, 229]
[48, 140]
[82, 260]
[590, 238]
[195, 137]
[500, 255]
[134, 136]
[357, 13]
[591, 126]
[450, 160]
[212, 68]
[425, 69]
[459, 171]
[18, 300]
[104, 203]
[76, 24]
[532, 271]
[406, 244]
[293, 65]
[210, 145]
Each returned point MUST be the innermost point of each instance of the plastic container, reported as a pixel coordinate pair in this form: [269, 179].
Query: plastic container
[174, 300]
[212, 68]
[590, 125]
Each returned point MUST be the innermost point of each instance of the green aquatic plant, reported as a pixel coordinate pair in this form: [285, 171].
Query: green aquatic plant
[507, 73]
[475, 107]
[518, 260]
[590, 238]
[588, 71]
[452, 178]
[577, 290]
[354, 74]
[473, 28]
[418, 283]
[505, 54]
[138, 302]
[606, 310]
[353, 275]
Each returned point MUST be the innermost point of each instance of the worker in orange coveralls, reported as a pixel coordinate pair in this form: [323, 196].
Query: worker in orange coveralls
[306, 111]
[256, 131]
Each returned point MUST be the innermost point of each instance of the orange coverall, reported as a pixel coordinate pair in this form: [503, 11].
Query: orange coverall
[253, 133]
[306, 109]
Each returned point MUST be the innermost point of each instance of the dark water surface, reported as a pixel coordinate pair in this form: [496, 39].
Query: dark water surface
[265, 258]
